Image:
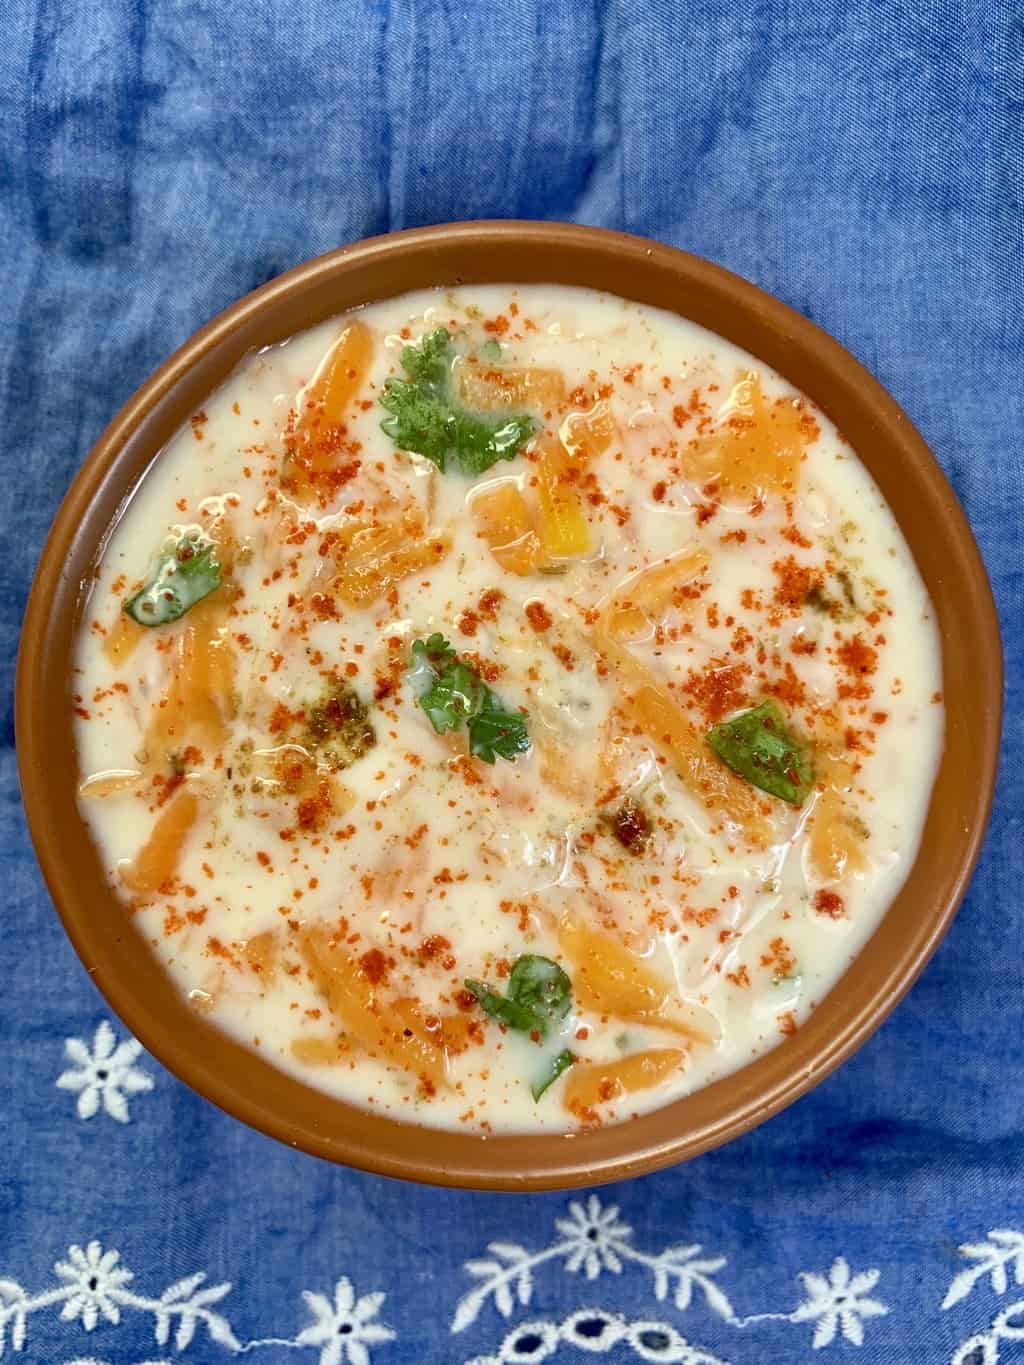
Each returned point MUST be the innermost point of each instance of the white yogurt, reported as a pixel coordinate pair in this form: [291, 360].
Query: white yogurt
[452, 868]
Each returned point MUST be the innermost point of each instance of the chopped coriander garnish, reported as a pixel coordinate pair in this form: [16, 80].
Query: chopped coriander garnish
[450, 692]
[561, 1063]
[539, 995]
[758, 745]
[187, 572]
[426, 418]
[491, 351]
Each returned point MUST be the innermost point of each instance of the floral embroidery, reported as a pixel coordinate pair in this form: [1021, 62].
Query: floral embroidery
[94, 1277]
[596, 1332]
[838, 1301]
[106, 1073]
[345, 1328]
[95, 1286]
[593, 1239]
[1003, 1252]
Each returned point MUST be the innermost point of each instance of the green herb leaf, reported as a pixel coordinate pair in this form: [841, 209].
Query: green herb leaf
[499, 1007]
[452, 698]
[490, 351]
[496, 732]
[426, 418]
[561, 1063]
[541, 986]
[539, 995]
[186, 574]
[451, 693]
[758, 745]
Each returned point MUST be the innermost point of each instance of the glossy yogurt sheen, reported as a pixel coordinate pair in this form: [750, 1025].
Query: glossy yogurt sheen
[426, 866]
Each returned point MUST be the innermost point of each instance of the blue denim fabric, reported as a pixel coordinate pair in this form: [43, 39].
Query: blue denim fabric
[862, 162]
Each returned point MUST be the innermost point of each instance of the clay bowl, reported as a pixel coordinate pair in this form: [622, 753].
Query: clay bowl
[932, 520]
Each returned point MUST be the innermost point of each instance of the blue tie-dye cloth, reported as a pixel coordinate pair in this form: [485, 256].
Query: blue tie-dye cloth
[864, 163]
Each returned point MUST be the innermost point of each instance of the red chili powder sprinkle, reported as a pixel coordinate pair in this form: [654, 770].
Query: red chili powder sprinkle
[829, 903]
[538, 616]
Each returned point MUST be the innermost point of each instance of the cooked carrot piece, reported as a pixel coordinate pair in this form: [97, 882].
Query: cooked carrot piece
[609, 979]
[649, 707]
[373, 558]
[758, 448]
[199, 698]
[643, 598]
[157, 860]
[112, 783]
[503, 520]
[364, 1017]
[261, 954]
[449, 1032]
[585, 435]
[563, 526]
[489, 389]
[835, 842]
[315, 443]
[663, 722]
[122, 638]
[559, 770]
[592, 1083]
[320, 1051]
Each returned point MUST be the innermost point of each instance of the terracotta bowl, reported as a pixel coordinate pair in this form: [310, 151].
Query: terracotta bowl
[237, 1080]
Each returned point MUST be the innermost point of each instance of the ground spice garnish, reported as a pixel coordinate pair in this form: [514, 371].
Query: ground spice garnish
[538, 616]
[829, 903]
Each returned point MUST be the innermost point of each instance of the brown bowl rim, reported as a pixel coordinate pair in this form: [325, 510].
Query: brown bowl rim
[195, 1051]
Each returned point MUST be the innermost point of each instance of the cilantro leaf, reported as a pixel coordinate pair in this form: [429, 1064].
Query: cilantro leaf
[541, 986]
[506, 1011]
[187, 573]
[495, 731]
[758, 745]
[453, 696]
[451, 693]
[559, 1064]
[539, 995]
[425, 417]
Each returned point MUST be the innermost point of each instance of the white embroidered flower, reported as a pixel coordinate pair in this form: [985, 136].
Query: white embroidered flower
[838, 1302]
[595, 1236]
[96, 1277]
[106, 1073]
[344, 1330]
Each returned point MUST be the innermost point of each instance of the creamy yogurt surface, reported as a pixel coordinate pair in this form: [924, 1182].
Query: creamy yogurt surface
[531, 760]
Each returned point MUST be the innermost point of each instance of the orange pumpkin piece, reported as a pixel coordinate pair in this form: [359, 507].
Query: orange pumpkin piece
[585, 435]
[562, 523]
[373, 558]
[491, 389]
[122, 639]
[644, 597]
[261, 954]
[757, 448]
[394, 1033]
[835, 844]
[589, 1084]
[609, 979]
[558, 769]
[649, 707]
[503, 520]
[113, 783]
[198, 701]
[316, 1051]
[314, 445]
[157, 861]
[657, 715]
